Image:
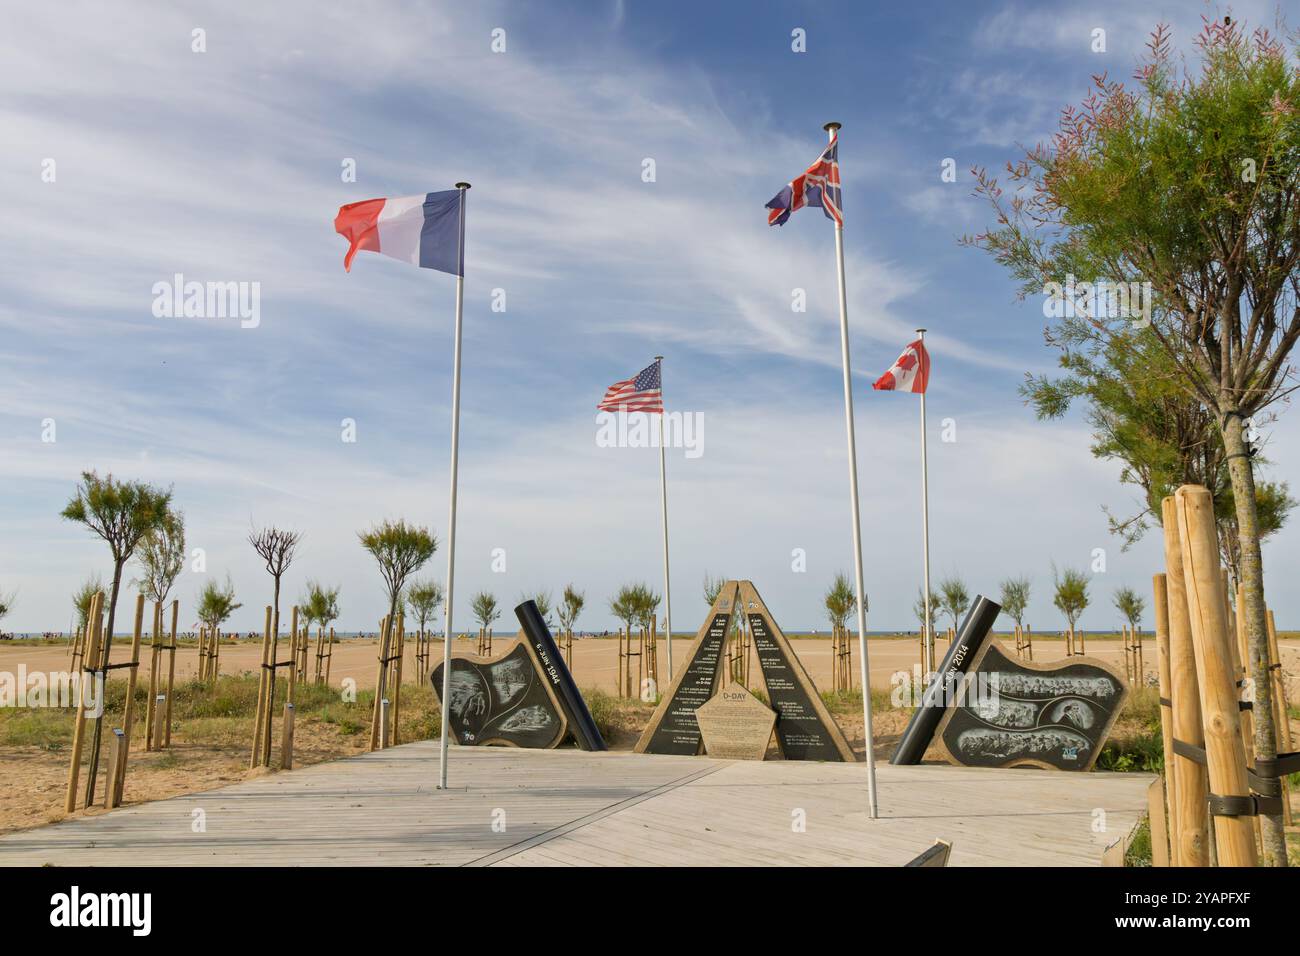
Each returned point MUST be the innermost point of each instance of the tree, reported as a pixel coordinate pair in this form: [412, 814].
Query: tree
[123, 513]
[1071, 593]
[1131, 604]
[624, 605]
[319, 605]
[713, 587]
[161, 557]
[81, 599]
[919, 609]
[1014, 599]
[647, 606]
[954, 599]
[570, 607]
[841, 601]
[216, 602]
[400, 550]
[7, 603]
[485, 608]
[424, 598]
[1190, 183]
[276, 547]
[1163, 435]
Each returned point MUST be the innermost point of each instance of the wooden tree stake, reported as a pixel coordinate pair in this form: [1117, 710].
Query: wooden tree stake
[1234, 835]
[1190, 842]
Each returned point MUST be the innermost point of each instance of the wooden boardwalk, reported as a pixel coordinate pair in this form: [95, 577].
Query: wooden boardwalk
[556, 808]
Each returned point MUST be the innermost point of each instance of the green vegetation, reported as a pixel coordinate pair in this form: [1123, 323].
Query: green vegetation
[841, 602]
[1071, 593]
[222, 715]
[1015, 598]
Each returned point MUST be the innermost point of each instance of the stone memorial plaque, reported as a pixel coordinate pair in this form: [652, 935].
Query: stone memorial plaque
[1014, 713]
[805, 730]
[673, 728]
[502, 700]
[735, 724]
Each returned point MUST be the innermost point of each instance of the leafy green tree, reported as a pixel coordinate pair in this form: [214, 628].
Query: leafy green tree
[1162, 435]
[1188, 181]
[400, 549]
[954, 599]
[624, 605]
[570, 607]
[713, 587]
[1070, 594]
[485, 608]
[319, 605]
[919, 609]
[7, 603]
[1015, 599]
[123, 513]
[424, 598]
[81, 599]
[216, 602]
[647, 605]
[840, 601]
[162, 556]
[1131, 604]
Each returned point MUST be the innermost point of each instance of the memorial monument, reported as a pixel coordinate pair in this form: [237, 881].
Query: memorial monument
[522, 697]
[803, 727]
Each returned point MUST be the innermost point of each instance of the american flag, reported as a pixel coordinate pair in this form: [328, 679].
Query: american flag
[818, 186]
[639, 394]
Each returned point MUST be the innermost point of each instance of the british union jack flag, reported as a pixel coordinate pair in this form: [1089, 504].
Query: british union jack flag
[818, 186]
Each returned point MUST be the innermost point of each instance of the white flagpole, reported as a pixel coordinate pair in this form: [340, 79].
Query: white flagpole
[929, 663]
[663, 499]
[448, 628]
[873, 811]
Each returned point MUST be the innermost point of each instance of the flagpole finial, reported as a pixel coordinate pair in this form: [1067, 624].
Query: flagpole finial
[831, 126]
[922, 331]
[462, 185]
[659, 358]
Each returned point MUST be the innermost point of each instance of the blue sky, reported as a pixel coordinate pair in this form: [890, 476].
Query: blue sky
[225, 165]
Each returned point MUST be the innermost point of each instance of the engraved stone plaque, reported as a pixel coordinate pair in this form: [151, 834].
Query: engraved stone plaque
[735, 724]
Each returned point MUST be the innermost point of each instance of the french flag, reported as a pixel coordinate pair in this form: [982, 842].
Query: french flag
[426, 230]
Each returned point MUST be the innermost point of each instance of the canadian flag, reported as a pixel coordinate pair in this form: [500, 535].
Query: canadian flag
[911, 373]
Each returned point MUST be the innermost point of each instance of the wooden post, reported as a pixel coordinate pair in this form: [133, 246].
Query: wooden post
[1234, 834]
[116, 755]
[171, 675]
[1156, 823]
[286, 738]
[397, 676]
[89, 661]
[329, 658]
[1161, 589]
[1190, 842]
[159, 715]
[383, 723]
[118, 783]
[293, 654]
[262, 707]
[155, 657]
[1281, 712]
[378, 723]
[1029, 641]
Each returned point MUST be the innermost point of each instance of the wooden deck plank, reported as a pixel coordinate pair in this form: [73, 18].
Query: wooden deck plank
[567, 808]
